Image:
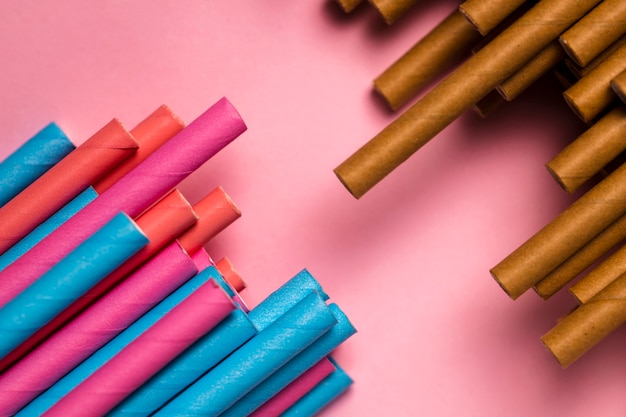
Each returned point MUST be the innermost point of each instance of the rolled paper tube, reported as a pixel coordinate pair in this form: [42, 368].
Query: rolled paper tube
[485, 15]
[161, 224]
[586, 256]
[592, 94]
[49, 397]
[89, 331]
[321, 396]
[470, 82]
[194, 362]
[348, 5]
[64, 181]
[599, 277]
[151, 133]
[137, 190]
[253, 362]
[202, 259]
[582, 71]
[486, 105]
[618, 85]
[216, 210]
[583, 328]
[96, 257]
[296, 390]
[436, 52]
[227, 269]
[49, 225]
[31, 160]
[392, 10]
[147, 354]
[526, 76]
[593, 212]
[586, 156]
[281, 378]
[595, 32]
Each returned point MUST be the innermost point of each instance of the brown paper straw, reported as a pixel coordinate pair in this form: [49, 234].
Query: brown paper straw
[595, 32]
[601, 276]
[583, 328]
[543, 62]
[595, 249]
[392, 10]
[436, 52]
[586, 156]
[563, 236]
[582, 71]
[471, 81]
[348, 5]
[485, 15]
[618, 85]
[592, 94]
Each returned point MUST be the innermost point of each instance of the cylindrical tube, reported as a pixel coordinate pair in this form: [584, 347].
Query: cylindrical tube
[592, 34]
[31, 160]
[348, 5]
[66, 348]
[140, 188]
[599, 277]
[436, 52]
[392, 10]
[254, 361]
[583, 328]
[485, 15]
[618, 85]
[595, 249]
[592, 94]
[586, 156]
[22, 314]
[147, 354]
[471, 81]
[562, 237]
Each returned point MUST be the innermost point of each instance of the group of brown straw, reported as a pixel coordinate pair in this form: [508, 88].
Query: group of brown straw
[505, 46]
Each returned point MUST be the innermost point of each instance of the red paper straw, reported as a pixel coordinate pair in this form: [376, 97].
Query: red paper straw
[147, 354]
[73, 343]
[64, 181]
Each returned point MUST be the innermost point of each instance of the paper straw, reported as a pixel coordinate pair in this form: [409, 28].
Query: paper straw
[282, 377]
[586, 256]
[582, 71]
[161, 224]
[151, 133]
[323, 394]
[147, 354]
[296, 390]
[64, 181]
[585, 157]
[31, 160]
[392, 10]
[254, 361]
[49, 397]
[202, 260]
[348, 5]
[600, 276]
[227, 269]
[602, 26]
[93, 328]
[436, 52]
[618, 85]
[96, 257]
[583, 328]
[592, 94]
[138, 189]
[485, 15]
[562, 237]
[470, 82]
[194, 362]
[47, 227]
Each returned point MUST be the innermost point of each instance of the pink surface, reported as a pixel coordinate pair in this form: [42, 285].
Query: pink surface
[444, 339]
[146, 355]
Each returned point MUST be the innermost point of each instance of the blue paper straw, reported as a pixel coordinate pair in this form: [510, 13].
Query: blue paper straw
[321, 395]
[49, 397]
[47, 227]
[31, 160]
[254, 361]
[319, 349]
[70, 278]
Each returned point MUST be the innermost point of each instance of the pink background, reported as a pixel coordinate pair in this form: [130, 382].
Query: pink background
[410, 261]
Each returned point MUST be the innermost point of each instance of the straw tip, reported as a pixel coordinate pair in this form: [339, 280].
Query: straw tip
[226, 268]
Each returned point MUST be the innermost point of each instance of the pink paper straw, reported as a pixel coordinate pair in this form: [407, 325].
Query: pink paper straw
[147, 354]
[132, 194]
[65, 349]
